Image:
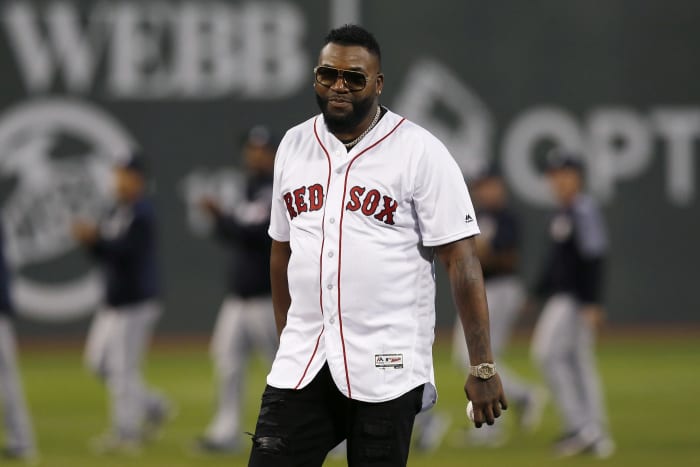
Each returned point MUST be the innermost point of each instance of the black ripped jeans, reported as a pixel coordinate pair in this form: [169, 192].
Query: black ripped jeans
[299, 427]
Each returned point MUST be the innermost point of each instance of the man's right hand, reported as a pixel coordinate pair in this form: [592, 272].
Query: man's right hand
[593, 316]
[84, 232]
[487, 398]
[210, 206]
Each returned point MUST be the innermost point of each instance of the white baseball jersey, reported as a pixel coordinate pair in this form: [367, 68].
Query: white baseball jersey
[361, 225]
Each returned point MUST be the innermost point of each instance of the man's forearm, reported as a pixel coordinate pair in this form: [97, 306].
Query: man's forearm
[281, 300]
[280, 309]
[467, 282]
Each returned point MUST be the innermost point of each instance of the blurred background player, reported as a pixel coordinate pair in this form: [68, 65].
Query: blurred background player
[564, 338]
[497, 248]
[19, 437]
[124, 244]
[246, 321]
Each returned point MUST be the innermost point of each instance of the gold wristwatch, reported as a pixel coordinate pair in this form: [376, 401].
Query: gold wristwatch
[483, 370]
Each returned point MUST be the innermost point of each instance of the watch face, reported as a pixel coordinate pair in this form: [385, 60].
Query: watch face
[485, 371]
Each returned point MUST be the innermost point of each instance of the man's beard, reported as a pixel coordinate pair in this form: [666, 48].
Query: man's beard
[345, 123]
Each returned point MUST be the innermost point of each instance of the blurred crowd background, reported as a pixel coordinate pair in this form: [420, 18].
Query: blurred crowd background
[85, 84]
[84, 81]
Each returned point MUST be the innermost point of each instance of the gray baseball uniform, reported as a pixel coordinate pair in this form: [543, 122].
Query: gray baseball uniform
[563, 342]
[121, 330]
[19, 437]
[246, 320]
[19, 434]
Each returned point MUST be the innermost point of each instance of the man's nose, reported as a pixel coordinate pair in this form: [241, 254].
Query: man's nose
[339, 84]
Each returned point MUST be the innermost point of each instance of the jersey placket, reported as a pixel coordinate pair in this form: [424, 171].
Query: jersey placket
[330, 269]
[334, 247]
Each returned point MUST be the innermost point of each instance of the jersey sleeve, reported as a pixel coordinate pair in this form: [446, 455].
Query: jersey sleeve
[592, 243]
[130, 244]
[279, 222]
[441, 199]
[507, 234]
[591, 236]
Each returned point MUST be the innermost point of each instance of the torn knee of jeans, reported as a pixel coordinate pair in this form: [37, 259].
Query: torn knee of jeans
[270, 444]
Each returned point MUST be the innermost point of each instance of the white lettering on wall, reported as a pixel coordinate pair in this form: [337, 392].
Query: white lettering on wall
[547, 124]
[66, 46]
[619, 148]
[276, 64]
[617, 144]
[159, 49]
[468, 132]
[680, 130]
[136, 62]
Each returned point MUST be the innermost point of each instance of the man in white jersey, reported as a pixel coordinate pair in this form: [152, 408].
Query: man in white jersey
[363, 201]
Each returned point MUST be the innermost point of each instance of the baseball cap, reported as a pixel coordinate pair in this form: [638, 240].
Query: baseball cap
[260, 135]
[559, 158]
[486, 172]
[136, 162]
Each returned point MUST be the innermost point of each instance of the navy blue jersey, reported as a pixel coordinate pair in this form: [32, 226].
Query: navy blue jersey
[126, 249]
[578, 247]
[245, 233]
[499, 227]
[5, 301]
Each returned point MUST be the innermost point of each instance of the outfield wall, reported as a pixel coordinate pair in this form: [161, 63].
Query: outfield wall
[502, 81]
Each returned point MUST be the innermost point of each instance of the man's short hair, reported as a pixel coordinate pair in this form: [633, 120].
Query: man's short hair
[352, 34]
[135, 162]
[260, 136]
[559, 159]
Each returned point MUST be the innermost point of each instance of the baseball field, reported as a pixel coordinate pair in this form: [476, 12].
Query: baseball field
[652, 382]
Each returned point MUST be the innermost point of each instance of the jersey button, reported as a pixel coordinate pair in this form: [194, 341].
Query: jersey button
[332, 220]
[329, 286]
[332, 320]
[330, 254]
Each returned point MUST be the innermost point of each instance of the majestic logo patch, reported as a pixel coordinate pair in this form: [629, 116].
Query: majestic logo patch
[468, 219]
[388, 360]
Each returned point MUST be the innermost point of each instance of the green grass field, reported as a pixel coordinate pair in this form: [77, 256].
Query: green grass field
[651, 383]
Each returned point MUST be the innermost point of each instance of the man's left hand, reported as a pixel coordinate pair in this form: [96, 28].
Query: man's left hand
[210, 206]
[85, 232]
[487, 398]
[593, 316]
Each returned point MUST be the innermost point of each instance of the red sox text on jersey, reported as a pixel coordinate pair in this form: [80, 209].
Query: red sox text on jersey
[305, 199]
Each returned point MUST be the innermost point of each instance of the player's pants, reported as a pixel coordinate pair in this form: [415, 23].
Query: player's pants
[505, 297]
[299, 427]
[18, 428]
[116, 344]
[243, 325]
[563, 346]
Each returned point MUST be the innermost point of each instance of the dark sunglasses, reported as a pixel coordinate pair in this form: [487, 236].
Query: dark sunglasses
[327, 76]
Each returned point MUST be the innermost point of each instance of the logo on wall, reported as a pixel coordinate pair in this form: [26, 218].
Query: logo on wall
[617, 143]
[55, 162]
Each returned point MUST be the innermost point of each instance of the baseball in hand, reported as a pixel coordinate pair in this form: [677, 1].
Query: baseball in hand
[470, 411]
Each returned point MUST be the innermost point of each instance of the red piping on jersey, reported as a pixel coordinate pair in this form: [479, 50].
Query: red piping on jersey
[318, 340]
[320, 262]
[340, 244]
